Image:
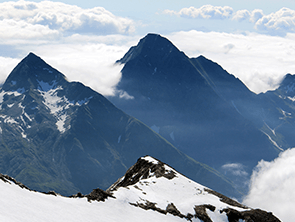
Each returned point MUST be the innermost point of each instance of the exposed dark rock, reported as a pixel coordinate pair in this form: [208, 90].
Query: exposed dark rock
[78, 195]
[201, 212]
[142, 170]
[98, 195]
[253, 215]
[149, 206]
[226, 200]
[173, 210]
[51, 193]
[9, 179]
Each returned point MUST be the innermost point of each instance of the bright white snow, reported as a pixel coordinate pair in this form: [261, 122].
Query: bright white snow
[17, 204]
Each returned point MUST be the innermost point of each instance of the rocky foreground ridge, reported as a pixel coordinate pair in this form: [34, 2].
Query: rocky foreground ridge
[151, 187]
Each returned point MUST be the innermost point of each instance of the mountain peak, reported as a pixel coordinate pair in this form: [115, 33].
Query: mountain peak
[31, 72]
[152, 45]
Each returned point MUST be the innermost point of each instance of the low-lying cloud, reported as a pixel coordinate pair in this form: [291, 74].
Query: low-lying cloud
[272, 186]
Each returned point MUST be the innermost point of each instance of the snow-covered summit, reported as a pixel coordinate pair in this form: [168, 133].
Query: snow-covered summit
[149, 191]
[155, 186]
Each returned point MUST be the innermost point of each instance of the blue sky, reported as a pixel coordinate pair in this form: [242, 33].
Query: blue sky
[253, 40]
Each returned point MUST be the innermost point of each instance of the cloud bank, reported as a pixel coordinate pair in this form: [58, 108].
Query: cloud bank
[50, 20]
[277, 23]
[272, 186]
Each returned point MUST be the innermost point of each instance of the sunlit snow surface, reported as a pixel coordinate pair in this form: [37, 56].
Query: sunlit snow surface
[17, 204]
[184, 193]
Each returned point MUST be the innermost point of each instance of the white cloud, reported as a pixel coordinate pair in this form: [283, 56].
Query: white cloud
[24, 19]
[92, 63]
[236, 169]
[241, 15]
[7, 65]
[278, 23]
[244, 14]
[206, 12]
[256, 14]
[272, 186]
[13, 29]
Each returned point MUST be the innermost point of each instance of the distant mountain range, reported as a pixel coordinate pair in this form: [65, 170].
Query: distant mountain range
[149, 191]
[203, 110]
[63, 136]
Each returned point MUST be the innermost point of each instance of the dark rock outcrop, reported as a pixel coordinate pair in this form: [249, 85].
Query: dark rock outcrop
[253, 215]
[98, 195]
[142, 170]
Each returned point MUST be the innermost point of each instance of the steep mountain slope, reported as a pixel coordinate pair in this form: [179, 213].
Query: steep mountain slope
[63, 136]
[181, 99]
[271, 112]
[278, 113]
[150, 190]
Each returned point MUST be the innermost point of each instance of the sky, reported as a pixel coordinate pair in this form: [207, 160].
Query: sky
[253, 40]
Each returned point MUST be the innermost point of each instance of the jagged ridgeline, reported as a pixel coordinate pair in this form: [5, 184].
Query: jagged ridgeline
[63, 136]
[150, 190]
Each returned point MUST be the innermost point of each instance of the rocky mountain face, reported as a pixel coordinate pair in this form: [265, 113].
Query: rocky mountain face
[149, 190]
[63, 136]
[195, 105]
[271, 112]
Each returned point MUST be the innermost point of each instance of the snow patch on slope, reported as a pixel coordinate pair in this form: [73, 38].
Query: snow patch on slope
[59, 105]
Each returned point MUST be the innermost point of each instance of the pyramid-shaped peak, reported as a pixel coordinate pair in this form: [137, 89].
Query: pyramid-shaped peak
[152, 45]
[33, 60]
[30, 72]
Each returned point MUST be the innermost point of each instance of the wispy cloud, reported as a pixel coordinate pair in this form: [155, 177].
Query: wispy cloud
[236, 169]
[272, 186]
